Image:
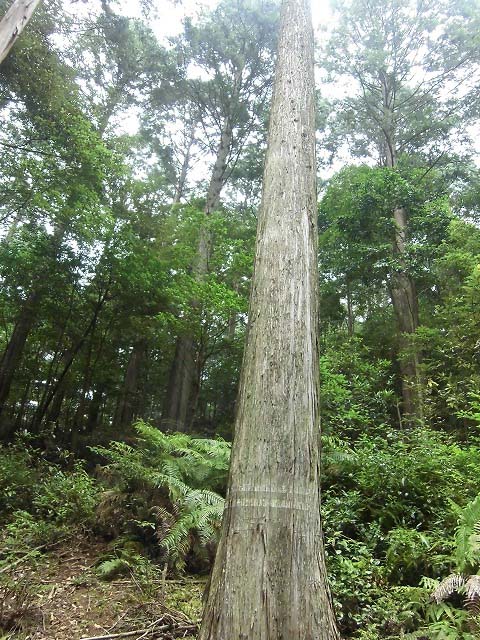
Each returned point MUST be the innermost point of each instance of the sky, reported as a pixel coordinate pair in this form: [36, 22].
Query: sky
[167, 20]
[170, 13]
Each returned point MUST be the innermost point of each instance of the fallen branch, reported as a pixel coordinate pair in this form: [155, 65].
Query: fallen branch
[31, 552]
[20, 560]
[144, 632]
[126, 634]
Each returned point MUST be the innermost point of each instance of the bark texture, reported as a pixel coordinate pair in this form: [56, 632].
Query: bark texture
[15, 347]
[13, 23]
[402, 291]
[269, 580]
[405, 303]
[184, 378]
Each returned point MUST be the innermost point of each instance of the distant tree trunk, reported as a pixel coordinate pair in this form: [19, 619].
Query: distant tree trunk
[16, 345]
[183, 382]
[23, 405]
[350, 316]
[53, 415]
[127, 403]
[402, 290]
[182, 178]
[268, 581]
[57, 391]
[94, 410]
[13, 23]
[405, 303]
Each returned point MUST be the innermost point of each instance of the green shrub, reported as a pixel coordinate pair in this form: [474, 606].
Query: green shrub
[44, 503]
[390, 517]
[167, 487]
[17, 479]
[66, 497]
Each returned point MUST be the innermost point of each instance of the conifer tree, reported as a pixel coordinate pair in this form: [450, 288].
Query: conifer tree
[269, 576]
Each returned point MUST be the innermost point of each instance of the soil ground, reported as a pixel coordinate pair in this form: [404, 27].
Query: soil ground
[58, 596]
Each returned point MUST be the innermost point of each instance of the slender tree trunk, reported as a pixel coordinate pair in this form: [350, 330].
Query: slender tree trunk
[94, 410]
[405, 303]
[13, 23]
[350, 316]
[403, 291]
[58, 389]
[184, 377]
[78, 420]
[16, 345]
[182, 179]
[53, 415]
[268, 581]
[127, 403]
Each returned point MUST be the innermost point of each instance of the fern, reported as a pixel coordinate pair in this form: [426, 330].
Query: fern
[468, 558]
[468, 537]
[472, 594]
[109, 569]
[181, 477]
[452, 583]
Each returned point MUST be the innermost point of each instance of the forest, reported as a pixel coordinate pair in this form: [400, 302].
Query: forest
[166, 307]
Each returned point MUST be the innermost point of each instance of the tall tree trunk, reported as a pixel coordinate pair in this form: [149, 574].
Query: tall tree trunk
[350, 316]
[127, 403]
[183, 378]
[13, 23]
[182, 178]
[405, 303]
[402, 290]
[180, 382]
[268, 581]
[16, 345]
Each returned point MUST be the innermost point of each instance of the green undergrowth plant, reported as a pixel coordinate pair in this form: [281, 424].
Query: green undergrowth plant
[62, 504]
[41, 501]
[390, 509]
[18, 475]
[166, 489]
[454, 601]
[125, 557]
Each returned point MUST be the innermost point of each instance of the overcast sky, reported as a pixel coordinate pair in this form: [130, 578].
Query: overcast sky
[170, 14]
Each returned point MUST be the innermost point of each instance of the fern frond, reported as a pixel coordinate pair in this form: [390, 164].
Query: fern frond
[449, 585]
[109, 569]
[468, 546]
[472, 594]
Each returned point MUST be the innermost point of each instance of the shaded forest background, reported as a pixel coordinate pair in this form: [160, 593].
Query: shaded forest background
[126, 253]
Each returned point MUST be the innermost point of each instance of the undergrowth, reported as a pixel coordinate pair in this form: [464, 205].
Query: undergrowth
[401, 515]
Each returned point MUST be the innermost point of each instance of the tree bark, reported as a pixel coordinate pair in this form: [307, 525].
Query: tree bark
[127, 403]
[180, 383]
[13, 23]
[184, 377]
[403, 291]
[16, 346]
[405, 303]
[268, 581]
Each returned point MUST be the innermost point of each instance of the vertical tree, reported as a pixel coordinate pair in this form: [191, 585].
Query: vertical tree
[234, 47]
[13, 23]
[412, 99]
[269, 575]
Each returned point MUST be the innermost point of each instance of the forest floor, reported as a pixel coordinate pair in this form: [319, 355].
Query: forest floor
[58, 596]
